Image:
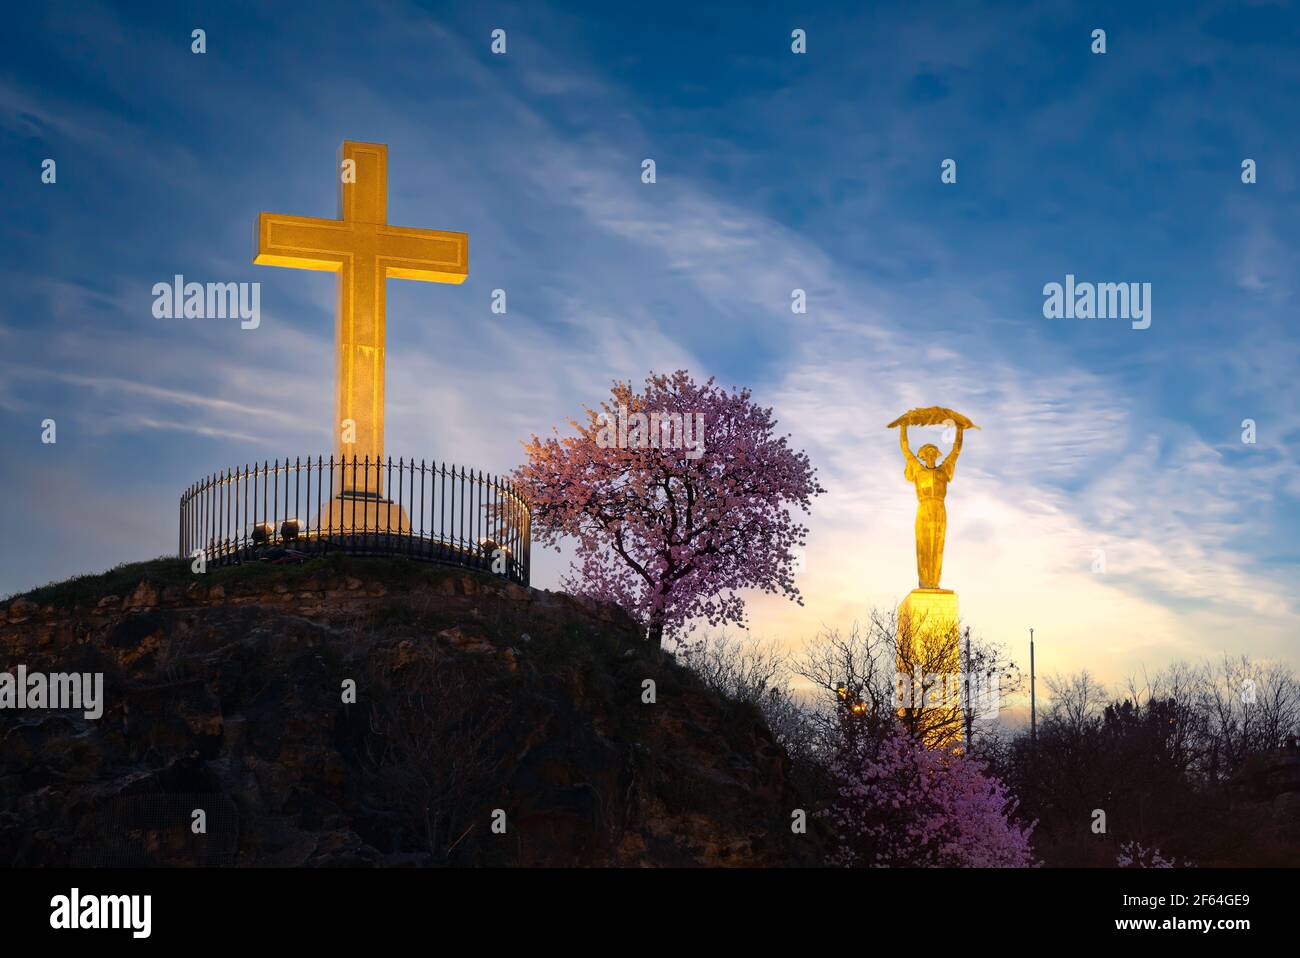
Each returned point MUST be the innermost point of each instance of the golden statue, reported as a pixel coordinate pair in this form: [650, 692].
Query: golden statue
[931, 482]
[928, 641]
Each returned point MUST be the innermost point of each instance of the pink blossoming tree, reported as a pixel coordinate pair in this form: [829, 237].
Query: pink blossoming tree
[901, 804]
[678, 496]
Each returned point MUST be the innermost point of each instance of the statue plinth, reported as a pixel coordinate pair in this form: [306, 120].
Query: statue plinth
[928, 661]
[928, 609]
[927, 632]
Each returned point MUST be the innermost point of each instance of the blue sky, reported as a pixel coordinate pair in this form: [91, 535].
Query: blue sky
[775, 171]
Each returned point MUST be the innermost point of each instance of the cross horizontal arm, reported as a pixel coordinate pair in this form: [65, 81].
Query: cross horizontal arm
[302, 242]
[436, 256]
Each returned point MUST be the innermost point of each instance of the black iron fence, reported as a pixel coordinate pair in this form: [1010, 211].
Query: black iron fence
[430, 511]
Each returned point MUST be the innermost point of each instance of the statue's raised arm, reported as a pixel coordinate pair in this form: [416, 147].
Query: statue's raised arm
[949, 464]
[908, 456]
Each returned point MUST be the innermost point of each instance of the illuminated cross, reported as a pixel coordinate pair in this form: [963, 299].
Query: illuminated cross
[365, 251]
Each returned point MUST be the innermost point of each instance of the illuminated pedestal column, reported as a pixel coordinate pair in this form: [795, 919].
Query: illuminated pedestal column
[929, 609]
[929, 660]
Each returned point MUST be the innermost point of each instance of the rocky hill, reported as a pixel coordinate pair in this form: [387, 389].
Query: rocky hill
[229, 737]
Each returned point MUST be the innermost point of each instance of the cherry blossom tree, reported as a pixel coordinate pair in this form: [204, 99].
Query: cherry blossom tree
[678, 496]
[899, 803]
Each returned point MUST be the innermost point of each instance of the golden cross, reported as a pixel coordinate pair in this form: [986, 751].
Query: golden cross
[364, 250]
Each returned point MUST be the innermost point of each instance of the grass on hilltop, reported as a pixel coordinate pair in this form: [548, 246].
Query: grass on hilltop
[393, 571]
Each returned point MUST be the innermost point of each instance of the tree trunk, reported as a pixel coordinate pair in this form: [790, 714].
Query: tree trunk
[655, 634]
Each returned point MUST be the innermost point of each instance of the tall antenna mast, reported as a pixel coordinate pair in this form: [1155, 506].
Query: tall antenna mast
[970, 705]
[1033, 703]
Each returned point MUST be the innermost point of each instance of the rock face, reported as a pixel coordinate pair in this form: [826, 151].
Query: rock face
[372, 712]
